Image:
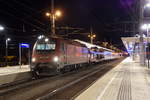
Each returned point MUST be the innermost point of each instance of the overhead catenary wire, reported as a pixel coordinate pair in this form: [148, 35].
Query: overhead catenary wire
[31, 11]
[10, 5]
[20, 19]
[6, 12]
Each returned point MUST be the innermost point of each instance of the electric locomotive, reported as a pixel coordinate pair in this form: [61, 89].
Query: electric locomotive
[52, 55]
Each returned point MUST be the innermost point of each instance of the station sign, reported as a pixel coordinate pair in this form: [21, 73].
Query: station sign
[24, 45]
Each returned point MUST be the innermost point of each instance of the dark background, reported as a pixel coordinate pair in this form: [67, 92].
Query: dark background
[24, 20]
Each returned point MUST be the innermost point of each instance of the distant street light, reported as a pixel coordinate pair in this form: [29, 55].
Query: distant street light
[1, 28]
[146, 27]
[40, 37]
[53, 15]
[147, 5]
[58, 13]
[46, 40]
[91, 36]
[7, 40]
[48, 14]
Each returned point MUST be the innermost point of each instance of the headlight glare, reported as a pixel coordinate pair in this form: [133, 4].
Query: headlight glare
[33, 59]
[55, 59]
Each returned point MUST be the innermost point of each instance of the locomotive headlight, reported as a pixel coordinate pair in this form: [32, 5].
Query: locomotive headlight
[33, 59]
[55, 59]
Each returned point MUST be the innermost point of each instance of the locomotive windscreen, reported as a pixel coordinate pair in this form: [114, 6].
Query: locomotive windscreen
[46, 46]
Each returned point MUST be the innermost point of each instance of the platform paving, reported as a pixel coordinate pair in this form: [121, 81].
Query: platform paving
[127, 81]
[14, 73]
[13, 69]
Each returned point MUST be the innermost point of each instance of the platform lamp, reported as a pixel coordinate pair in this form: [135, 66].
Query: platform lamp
[146, 27]
[1, 28]
[7, 40]
[53, 16]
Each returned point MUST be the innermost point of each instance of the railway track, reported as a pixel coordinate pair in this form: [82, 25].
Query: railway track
[51, 87]
[73, 90]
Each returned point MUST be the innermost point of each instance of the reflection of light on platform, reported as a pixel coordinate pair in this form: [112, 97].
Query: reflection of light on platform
[127, 60]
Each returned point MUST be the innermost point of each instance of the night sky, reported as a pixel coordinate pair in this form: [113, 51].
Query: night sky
[24, 20]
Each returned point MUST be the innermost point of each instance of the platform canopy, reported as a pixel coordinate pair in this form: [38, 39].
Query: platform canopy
[135, 39]
[130, 41]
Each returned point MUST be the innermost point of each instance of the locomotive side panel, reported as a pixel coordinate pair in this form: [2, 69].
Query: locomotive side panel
[62, 53]
[77, 54]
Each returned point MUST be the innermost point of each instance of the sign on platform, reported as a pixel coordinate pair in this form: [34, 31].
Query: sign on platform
[24, 45]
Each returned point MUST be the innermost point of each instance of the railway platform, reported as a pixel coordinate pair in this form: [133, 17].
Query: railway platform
[127, 81]
[14, 73]
[13, 69]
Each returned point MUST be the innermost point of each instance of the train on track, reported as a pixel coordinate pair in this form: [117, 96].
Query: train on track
[53, 55]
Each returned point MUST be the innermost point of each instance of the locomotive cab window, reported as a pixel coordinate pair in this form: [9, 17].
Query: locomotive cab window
[46, 46]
